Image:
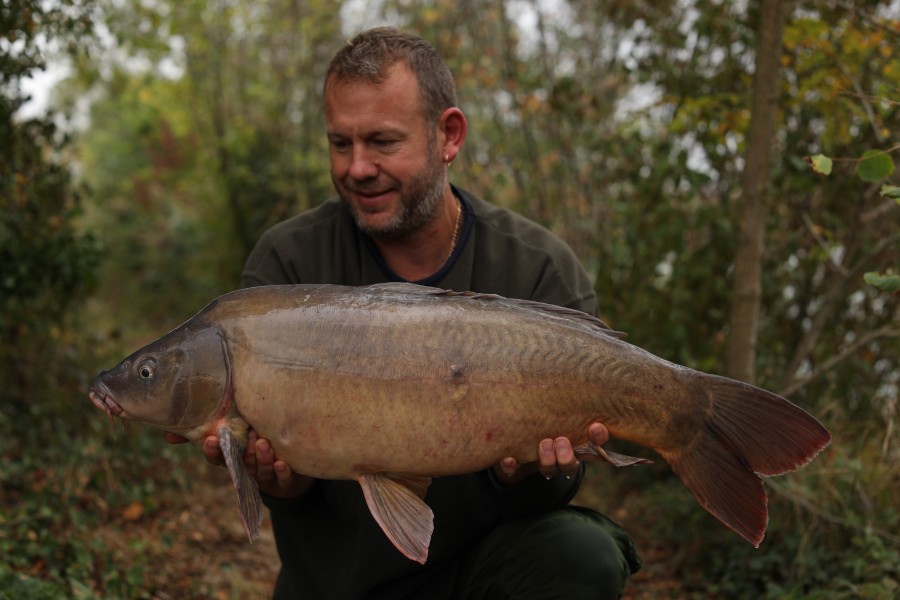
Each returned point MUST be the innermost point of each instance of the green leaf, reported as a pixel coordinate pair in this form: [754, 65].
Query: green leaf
[885, 282]
[820, 163]
[874, 165]
[891, 191]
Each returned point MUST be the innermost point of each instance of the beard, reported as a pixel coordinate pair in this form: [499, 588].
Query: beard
[420, 199]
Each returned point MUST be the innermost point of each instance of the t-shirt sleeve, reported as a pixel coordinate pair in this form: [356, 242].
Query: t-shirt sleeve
[518, 258]
[264, 266]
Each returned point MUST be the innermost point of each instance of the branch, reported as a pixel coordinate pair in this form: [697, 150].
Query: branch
[834, 292]
[823, 514]
[882, 332]
[867, 105]
[878, 23]
[870, 97]
[893, 148]
[814, 231]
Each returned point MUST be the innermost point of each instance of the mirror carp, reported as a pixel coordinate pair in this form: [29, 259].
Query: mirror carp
[393, 384]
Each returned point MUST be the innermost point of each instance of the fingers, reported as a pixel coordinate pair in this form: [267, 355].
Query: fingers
[598, 433]
[554, 456]
[509, 466]
[263, 461]
[565, 457]
[284, 474]
[251, 457]
[557, 455]
[547, 458]
[212, 451]
[275, 477]
[174, 438]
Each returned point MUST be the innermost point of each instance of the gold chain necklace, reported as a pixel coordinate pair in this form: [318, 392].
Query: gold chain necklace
[455, 229]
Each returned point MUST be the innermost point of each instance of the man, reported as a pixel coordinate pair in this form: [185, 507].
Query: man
[393, 130]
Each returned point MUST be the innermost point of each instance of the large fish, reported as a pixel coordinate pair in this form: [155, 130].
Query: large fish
[393, 384]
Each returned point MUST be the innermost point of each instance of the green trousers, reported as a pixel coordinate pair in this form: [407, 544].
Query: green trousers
[571, 553]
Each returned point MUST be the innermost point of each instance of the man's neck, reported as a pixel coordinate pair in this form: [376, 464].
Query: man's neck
[422, 253]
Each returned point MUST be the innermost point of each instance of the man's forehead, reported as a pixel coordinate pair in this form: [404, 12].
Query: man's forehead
[397, 74]
[394, 101]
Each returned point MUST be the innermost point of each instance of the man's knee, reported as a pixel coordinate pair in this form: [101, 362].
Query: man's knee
[588, 557]
[570, 553]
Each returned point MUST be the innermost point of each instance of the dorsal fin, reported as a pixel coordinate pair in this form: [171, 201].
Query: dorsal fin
[562, 311]
[572, 313]
[407, 287]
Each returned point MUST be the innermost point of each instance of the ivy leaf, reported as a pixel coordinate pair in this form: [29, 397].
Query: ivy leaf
[820, 163]
[885, 282]
[874, 165]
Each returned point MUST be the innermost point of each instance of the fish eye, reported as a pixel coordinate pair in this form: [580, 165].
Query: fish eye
[146, 370]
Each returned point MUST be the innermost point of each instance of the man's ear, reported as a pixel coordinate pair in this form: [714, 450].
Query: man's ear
[452, 128]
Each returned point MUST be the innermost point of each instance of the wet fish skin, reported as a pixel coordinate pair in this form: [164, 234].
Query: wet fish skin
[395, 383]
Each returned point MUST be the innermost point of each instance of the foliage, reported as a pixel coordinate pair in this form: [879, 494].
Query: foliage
[50, 478]
[872, 166]
[45, 260]
[72, 486]
[250, 74]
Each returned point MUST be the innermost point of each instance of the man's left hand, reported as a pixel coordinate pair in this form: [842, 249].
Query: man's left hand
[554, 455]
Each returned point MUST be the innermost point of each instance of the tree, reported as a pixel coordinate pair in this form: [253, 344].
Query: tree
[46, 261]
[748, 262]
[248, 87]
[206, 129]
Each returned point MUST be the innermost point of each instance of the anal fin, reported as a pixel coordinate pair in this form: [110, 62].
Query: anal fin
[401, 513]
[245, 488]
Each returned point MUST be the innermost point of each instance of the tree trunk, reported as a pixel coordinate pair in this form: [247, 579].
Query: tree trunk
[744, 319]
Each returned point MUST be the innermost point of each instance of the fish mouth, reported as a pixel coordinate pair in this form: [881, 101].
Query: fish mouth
[102, 399]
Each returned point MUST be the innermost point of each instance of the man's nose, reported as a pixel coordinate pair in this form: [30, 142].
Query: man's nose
[363, 165]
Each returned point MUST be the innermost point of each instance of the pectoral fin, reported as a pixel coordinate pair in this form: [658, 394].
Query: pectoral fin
[249, 500]
[591, 452]
[402, 514]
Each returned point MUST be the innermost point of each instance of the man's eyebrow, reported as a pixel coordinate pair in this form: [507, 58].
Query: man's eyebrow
[388, 131]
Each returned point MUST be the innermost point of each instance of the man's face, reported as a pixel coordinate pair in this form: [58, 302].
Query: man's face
[385, 162]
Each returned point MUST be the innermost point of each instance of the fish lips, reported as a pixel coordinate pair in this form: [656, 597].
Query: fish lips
[102, 399]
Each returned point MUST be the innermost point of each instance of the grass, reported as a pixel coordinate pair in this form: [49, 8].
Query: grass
[126, 518]
[833, 530]
[89, 510]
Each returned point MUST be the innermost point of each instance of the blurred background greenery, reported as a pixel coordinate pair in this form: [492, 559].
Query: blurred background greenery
[176, 132]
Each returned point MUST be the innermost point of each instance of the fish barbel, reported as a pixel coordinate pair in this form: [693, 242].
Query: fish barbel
[393, 384]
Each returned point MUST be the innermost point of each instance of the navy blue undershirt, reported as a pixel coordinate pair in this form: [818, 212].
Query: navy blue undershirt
[468, 216]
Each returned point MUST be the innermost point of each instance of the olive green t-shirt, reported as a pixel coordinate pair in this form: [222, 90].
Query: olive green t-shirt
[499, 252]
[329, 544]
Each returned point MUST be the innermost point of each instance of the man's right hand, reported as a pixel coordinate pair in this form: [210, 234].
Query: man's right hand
[274, 477]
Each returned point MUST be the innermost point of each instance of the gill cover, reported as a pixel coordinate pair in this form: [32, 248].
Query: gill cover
[176, 383]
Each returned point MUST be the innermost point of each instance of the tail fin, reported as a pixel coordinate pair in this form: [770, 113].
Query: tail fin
[749, 432]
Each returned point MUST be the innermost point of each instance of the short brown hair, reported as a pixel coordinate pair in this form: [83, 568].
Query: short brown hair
[372, 54]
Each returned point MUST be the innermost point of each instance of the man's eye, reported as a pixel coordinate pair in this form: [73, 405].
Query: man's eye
[339, 145]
